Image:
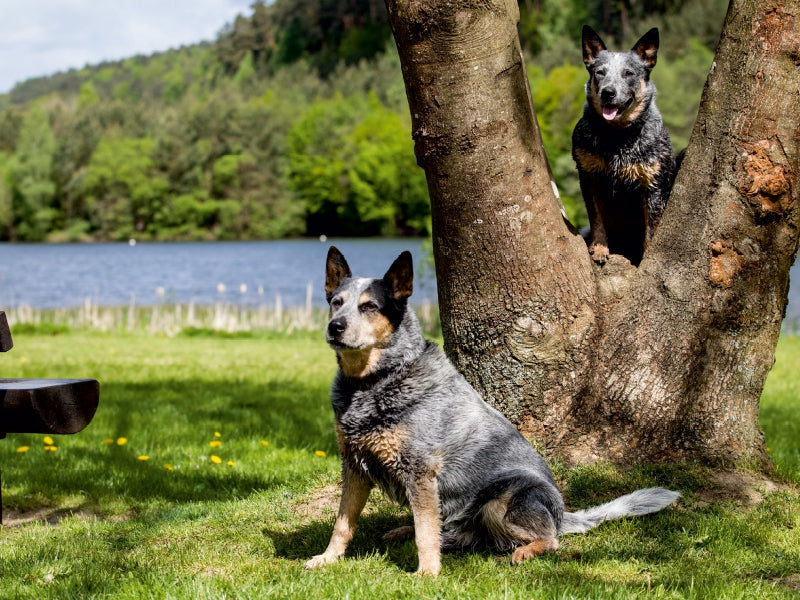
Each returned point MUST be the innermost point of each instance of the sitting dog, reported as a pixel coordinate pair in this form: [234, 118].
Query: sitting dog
[625, 161]
[408, 422]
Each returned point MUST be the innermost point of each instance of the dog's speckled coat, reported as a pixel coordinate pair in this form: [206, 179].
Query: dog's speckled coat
[408, 422]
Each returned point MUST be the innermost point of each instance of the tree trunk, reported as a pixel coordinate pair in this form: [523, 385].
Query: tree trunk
[664, 362]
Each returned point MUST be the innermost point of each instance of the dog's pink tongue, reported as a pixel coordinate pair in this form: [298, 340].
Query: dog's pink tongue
[609, 112]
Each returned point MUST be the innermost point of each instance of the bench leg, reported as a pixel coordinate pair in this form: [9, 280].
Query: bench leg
[2, 435]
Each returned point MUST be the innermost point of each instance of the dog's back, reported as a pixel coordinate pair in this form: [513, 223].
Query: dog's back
[622, 150]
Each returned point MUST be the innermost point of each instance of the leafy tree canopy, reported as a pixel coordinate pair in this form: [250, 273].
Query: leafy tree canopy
[293, 122]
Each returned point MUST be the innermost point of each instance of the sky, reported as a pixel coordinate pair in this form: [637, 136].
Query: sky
[43, 37]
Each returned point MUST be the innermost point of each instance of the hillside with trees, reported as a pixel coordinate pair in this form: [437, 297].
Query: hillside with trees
[293, 122]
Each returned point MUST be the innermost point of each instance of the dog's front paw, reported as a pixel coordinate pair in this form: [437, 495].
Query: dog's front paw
[430, 569]
[320, 560]
[599, 253]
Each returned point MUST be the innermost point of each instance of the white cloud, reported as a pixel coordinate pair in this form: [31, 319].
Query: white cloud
[43, 37]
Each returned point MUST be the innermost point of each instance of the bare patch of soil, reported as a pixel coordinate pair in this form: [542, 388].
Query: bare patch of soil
[790, 581]
[45, 516]
[323, 501]
[744, 487]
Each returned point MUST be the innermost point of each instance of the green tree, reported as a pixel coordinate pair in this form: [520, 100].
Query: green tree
[88, 96]
[31, 178]
[6, 212]
[558, 98]
[386, 184]
[351, 164]
[125, 193]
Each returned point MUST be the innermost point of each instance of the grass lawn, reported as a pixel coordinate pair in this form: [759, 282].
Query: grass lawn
[210, 471]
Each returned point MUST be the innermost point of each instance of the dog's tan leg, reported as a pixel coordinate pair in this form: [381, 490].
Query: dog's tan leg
[355, 491]
[598, 243]
[535, 548]
[423, 496]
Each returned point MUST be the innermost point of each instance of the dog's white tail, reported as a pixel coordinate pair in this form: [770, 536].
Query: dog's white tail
[640, 502]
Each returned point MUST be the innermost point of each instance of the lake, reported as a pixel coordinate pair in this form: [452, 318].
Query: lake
[247, 273]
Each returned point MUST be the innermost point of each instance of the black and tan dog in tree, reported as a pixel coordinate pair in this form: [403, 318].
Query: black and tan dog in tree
[625, 160]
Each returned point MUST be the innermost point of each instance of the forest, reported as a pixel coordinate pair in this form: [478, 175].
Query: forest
[293, 122]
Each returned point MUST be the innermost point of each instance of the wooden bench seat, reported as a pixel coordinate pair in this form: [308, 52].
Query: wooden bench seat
[49, 406]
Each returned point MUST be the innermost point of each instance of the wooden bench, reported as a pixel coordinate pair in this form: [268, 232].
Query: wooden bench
[48, 406]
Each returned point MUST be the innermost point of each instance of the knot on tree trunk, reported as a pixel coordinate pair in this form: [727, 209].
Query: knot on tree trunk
[725, 262]
[764, 178]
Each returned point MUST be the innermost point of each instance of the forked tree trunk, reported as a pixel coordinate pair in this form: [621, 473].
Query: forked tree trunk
[664, 362]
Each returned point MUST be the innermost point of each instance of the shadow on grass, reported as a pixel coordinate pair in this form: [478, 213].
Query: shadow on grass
[311, 539]
[658, 538]
[172, 423]
[289, 412]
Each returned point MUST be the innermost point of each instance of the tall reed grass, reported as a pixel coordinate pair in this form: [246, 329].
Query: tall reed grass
[170, 318]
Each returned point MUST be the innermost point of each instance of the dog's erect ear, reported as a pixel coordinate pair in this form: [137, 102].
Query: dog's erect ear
[400, 277]
[592, 45]
[336, 269]
[647, 48]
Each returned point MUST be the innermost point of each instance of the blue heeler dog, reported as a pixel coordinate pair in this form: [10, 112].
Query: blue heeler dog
[408, 422]
[623, 153]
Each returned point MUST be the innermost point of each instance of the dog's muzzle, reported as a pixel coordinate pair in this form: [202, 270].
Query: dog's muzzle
[336, 327]
[611, 106]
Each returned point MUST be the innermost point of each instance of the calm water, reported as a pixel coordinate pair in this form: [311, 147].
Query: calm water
[56, 276]
[249, 273]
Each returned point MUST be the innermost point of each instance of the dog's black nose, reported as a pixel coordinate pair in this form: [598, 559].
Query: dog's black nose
[608, 94]
[337, 326]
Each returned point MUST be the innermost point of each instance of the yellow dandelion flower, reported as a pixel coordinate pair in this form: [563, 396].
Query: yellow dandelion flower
[264, 443]
[217, 434]
[215, 459]
[143, 457]
[48, 441]
[23, 359]
[215, 444]
[231, 463]
[168, 467]
[50, 448]
[23, 448]
[108, 441]
[122, 441]
[320, 453]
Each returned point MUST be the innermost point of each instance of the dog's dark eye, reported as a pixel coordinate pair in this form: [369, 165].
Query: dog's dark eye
[368, 307]
[336, 302]
[600, 73]
[628, 74]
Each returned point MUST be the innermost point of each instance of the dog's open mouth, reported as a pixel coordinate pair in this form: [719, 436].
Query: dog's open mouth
[612, 111]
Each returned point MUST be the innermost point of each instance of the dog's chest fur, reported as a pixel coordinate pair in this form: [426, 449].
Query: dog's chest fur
[625, 155]
[373, 432]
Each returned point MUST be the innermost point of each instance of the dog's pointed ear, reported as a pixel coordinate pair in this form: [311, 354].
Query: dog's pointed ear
[400, 277]
[647, 48]
[336, 269]
[592, 45]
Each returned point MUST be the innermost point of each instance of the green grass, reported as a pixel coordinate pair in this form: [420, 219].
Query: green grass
[131, 528]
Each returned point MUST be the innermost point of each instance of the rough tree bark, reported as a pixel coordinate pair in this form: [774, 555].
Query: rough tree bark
[661, 363]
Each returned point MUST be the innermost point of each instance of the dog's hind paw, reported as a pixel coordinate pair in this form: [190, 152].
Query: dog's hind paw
[535, 548]
[405, 531]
